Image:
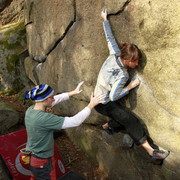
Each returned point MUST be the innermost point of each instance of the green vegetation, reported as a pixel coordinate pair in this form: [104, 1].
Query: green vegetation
[11, 32]
[12, 62]
[18, 30]
[13, 44]
[8, 92]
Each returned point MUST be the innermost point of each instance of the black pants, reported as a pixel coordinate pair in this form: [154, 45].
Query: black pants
[122, 117]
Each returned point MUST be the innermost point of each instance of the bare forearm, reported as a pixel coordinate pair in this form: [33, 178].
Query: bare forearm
[71, 93]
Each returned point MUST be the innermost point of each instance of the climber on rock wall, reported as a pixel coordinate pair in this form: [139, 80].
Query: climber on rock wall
[112, 81]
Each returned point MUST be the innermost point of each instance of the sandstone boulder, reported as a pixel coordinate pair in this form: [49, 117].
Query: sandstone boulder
[67, 42]
[4, 174]
[4, 4]
[9, 117]
[11, 11]
[12, 55]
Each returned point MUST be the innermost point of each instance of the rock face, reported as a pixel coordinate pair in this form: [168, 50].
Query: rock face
[4, 4]
[66, 44]
[11, 11]
[12, 54]
[9, 117]
[4, 174]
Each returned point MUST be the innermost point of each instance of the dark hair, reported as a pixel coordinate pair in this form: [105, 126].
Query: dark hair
[130, 52]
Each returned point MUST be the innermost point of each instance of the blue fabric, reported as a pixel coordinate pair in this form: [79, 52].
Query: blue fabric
[38, 93]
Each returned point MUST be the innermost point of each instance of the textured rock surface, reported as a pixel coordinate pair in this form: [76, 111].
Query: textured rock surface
[67, 41]
[4, 174]
[9, 117]
[12, 55]
[4, 4]
[11, 11]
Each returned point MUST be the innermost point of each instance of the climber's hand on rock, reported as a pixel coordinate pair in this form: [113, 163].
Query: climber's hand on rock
[133, 84]
[104, 14]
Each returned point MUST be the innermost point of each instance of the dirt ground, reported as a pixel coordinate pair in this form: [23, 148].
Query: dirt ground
[74, 158]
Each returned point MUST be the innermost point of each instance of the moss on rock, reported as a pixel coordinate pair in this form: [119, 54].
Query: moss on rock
[13, 43]
[12, 61]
